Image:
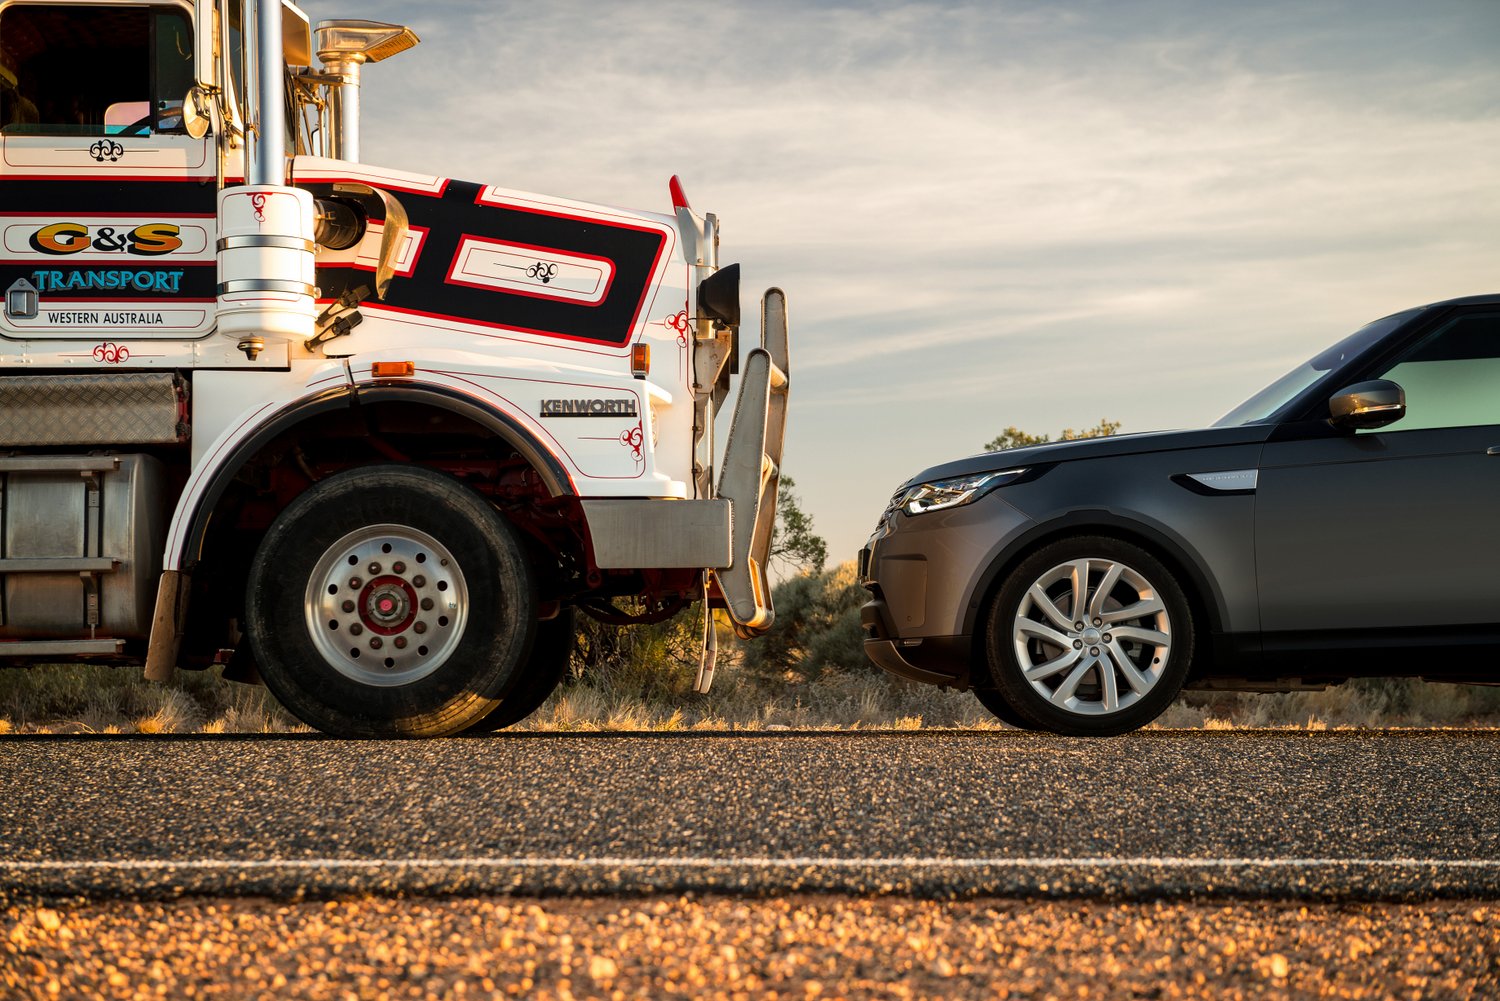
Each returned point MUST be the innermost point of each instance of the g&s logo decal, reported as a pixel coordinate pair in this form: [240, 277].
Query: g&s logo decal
[150, 239]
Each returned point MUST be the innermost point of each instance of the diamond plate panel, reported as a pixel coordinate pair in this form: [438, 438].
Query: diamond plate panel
[108, 409]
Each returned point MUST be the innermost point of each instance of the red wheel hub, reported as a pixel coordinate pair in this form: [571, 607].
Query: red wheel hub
[387, 605]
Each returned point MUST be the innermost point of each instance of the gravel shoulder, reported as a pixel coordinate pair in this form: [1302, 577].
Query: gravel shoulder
[724, 947]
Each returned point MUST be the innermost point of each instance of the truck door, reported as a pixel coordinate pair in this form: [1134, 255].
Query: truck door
[106, 203]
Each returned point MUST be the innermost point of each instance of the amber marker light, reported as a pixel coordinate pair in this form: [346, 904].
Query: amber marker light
[392, 369]
[640, 360]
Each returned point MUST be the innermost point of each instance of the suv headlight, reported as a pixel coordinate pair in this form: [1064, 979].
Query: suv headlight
[939, 495]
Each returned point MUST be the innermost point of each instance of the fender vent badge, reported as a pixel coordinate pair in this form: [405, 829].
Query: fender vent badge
[1229, 481]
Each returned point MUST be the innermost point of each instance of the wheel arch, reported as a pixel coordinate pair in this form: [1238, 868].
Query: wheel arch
[187, 548]
[1203, 595]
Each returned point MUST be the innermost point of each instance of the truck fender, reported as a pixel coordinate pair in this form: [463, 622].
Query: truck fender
[189, 523]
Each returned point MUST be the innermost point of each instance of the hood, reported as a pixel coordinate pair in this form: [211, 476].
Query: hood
[484, 256]
[1095, 448]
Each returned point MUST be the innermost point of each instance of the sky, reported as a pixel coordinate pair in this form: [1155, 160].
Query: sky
[1036, 214]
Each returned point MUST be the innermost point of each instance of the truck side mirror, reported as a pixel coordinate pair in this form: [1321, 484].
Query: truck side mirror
[296, 39]
[197, 111]
[296, 35]
[1367, 405]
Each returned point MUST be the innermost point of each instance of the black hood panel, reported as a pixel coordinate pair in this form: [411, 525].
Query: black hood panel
[1095, 448]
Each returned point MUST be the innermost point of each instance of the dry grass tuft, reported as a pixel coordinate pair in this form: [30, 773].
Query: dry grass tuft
[91, 699]
[1390, 702]
[88, 698]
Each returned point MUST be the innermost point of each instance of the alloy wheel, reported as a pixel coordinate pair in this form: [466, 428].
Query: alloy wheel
[386, 605]
[1092, 636]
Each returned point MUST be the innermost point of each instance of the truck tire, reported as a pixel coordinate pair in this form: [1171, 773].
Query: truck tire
[390, 601]
[551, 653]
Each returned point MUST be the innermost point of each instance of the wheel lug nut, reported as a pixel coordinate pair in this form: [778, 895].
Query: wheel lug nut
[1108, 638]
[1093, 651]
[1098, 622]
[1078, 644]
[355, 583]
[1078, 626]
[375, 643]
[348, 605]
[420, 627]
[400, 642]
[374, 568]
[398, 567]
[419, 581]
[356, 629]
[426, 604]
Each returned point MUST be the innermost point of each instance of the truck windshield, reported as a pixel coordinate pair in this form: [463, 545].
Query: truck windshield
[1281, 392]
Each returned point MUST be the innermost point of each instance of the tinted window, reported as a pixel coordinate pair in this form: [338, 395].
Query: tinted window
[1281, 392]
[92, 70]
[1451, 376]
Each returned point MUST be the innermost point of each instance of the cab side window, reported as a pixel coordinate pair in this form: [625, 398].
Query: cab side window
[1451, 376]
[92, 70]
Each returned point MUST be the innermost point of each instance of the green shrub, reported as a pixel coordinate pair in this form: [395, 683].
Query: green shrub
[655, 663]
[816, 629]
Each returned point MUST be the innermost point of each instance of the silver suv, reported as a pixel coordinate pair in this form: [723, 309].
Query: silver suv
[1340, 523]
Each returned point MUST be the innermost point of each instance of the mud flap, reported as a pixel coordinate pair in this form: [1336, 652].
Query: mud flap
[167, 625]
[709, 655]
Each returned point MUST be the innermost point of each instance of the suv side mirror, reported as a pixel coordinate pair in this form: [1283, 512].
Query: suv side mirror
[1367, 405]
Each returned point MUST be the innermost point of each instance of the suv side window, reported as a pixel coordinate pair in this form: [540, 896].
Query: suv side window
[92, 70]
[1451, 376]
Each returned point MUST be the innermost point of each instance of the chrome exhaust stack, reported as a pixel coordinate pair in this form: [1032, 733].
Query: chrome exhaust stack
[265, 147]
[265, 263]
[343, 47]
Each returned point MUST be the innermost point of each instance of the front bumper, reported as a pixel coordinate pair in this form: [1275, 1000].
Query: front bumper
[926, 575]
[934, 660]
[730, 533]
[942, 660]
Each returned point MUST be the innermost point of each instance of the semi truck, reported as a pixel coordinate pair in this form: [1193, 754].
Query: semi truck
[372, 437]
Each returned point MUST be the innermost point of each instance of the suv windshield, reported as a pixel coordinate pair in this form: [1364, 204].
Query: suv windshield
[1281, 392]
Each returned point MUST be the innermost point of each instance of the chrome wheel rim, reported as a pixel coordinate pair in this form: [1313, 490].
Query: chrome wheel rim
[386, 605]
[1092, 636]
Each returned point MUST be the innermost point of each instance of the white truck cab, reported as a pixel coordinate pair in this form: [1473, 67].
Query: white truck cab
[371, 435]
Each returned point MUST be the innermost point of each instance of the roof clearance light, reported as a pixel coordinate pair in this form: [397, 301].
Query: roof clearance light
[392, 369]
[640, 360]
[679, 200]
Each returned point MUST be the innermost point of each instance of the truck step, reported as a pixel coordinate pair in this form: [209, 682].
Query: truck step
[78, 538]
[62, 648]
[59, 564]
[105, 408]
[59, 463]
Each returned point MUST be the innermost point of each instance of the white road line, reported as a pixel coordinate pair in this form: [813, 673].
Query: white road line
[752, 863]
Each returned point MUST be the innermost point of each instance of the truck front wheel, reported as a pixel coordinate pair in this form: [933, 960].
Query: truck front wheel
[551, 653]
[390, 601]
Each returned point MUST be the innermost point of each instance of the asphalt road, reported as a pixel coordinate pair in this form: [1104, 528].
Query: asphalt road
[1324, 815]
